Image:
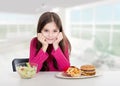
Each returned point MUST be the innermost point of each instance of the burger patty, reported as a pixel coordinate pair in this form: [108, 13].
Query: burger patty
[88, 73]
[88, 70]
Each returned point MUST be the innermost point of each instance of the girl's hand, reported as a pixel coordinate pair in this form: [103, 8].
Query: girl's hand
[57, 41]
[42, 39]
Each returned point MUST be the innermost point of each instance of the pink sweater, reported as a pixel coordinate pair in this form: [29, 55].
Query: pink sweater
[41, 57]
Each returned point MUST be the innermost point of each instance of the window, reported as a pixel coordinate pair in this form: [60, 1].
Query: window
[103, 14]
[116, 8]
[95, 32]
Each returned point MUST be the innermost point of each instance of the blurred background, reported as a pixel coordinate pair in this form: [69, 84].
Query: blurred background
[92, 26]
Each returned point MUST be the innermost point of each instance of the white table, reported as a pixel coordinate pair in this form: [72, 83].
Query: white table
[110, 78]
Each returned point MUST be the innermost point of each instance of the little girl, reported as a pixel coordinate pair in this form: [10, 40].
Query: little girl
[51, 48]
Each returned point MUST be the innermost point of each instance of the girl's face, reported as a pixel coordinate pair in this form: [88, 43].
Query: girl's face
[50, 31]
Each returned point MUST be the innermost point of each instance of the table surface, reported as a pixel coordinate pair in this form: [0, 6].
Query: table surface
[108, 78]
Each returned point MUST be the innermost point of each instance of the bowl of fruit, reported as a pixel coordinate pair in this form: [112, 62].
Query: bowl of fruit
[26, 70]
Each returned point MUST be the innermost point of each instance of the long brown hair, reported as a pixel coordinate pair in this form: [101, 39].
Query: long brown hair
[45, 18]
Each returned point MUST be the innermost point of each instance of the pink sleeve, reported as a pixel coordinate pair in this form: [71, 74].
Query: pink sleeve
[62, 60]
[39, 57]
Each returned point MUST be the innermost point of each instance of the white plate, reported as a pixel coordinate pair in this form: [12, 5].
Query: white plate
[60, 75]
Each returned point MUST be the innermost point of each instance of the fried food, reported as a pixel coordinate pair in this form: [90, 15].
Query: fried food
[72, 71]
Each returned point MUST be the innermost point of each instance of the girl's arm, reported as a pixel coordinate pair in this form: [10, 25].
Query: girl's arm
[62, 60]
[39, 57]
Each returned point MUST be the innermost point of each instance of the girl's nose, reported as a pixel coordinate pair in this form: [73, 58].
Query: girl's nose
[50, 34]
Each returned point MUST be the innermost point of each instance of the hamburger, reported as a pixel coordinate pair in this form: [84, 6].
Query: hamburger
[72, 71]
[88, 70]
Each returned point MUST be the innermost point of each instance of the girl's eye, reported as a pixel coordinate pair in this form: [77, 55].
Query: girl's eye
[45, 30]
[55, 31]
